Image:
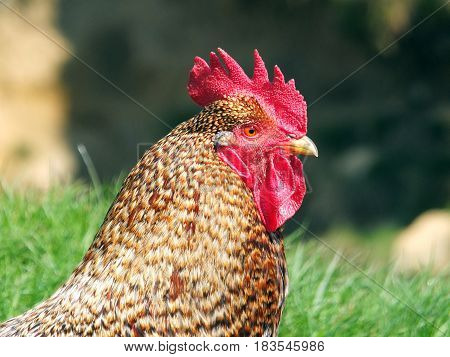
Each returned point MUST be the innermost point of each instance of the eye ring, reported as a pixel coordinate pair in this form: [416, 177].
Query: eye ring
[250, 131]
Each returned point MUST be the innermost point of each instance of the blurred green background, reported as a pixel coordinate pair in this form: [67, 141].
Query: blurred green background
[376, 76]
[383, 133]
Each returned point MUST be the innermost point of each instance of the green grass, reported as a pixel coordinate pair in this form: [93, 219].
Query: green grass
[43, 238]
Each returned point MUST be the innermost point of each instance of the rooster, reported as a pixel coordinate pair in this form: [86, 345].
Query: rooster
[192, 244]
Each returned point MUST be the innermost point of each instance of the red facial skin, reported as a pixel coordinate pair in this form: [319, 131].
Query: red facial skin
[274, 176]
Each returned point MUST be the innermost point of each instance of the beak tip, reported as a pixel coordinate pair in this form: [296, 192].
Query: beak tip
[304, 146]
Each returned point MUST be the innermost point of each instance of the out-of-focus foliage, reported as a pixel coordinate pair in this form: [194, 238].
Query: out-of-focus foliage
[382, 134]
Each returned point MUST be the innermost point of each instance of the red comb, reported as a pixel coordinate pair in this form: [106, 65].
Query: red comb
[208, 83]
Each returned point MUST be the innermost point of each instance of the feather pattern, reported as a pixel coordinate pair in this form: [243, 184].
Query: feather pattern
[182, 250]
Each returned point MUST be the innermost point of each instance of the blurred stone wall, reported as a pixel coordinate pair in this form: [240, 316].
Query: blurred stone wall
[33, 105]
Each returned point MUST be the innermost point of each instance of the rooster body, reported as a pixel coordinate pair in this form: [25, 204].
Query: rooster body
[218, 273]
[189, 247]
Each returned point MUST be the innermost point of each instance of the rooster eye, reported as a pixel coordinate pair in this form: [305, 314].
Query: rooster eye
[250, 131]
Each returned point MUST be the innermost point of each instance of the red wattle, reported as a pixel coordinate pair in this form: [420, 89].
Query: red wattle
[277, 184]
[281, 192]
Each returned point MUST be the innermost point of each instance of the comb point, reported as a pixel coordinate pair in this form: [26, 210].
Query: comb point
[214, 61]
[235, 70]
[278, 76]
[259, 71]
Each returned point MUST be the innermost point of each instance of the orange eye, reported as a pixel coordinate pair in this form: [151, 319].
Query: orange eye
[250, 131]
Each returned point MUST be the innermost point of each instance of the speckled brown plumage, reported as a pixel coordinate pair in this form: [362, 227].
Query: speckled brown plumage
[182, 250]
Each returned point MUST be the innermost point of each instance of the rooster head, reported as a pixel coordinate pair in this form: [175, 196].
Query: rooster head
[263, 131]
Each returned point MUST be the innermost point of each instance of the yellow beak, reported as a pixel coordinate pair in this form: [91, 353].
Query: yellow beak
[304, 146]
